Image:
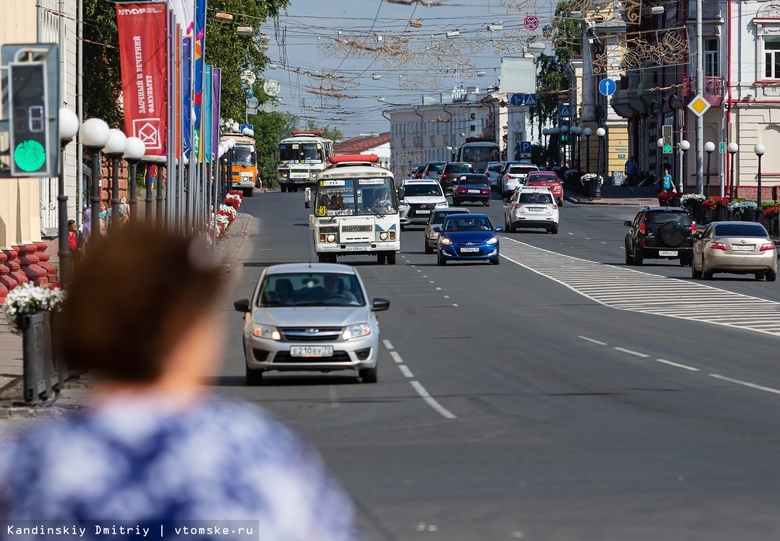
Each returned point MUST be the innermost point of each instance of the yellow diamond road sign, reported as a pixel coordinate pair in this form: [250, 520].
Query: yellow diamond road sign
[699, 105]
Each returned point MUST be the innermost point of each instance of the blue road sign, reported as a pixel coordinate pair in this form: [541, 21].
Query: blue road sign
[242, 126]
[564, 111]
[517, 99]
[530, 100]
[607, 86]
[525, 147]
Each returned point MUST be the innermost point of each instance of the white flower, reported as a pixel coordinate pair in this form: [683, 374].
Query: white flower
[30, 299]
[742, 206]
[691, 197]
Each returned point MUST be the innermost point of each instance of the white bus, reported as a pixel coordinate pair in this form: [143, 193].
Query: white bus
[301, 157]
[478, 152]
[355, 210]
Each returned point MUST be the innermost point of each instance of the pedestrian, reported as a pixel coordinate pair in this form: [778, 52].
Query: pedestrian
[124, 211]
[667, 181]
[631, 170]
[75, 242]
[86, 224]
[103, 217]
[154, 447]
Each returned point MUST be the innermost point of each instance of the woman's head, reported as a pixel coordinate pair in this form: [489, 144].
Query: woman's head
[136, 295]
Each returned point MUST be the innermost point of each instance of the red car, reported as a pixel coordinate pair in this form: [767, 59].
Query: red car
[548, 179]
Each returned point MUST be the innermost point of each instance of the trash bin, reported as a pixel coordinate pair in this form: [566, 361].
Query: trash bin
[617, 178]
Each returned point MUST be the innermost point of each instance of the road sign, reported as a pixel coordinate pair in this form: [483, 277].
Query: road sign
[607, 86]
[252, 102]
[517, 99]
[525, 149]
[531, 22]
[530, 100]
[564, 111]
[272, 87]
[699, 105]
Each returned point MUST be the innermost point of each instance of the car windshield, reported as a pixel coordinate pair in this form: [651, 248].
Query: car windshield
[740, 230]
[439, 216]
[460, 168]
[467, 223]
[495, 168]
[536, 198]
[663, 217]
[436, 167]
[420, 190]
[310, 289]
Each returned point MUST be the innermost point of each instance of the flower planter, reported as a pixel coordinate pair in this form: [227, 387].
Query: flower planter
[41, 378]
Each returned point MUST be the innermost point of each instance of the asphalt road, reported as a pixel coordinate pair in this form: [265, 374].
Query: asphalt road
[561, 395]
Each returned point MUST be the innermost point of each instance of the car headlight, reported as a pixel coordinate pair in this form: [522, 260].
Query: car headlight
[356, 331]
[442, 204]
[383, 235]
[492, 240]
[446, 240]
[266, 331]
[433, 235]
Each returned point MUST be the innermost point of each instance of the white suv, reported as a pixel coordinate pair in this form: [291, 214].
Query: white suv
[417, 199]
[531, 206]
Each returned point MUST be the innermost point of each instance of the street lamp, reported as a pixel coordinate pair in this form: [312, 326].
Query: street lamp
[683, 146]
[115, 147]
[587, 132]
[601, 132]
[709, 148]
[733, 149]
[759, 150]
[69, 127]
[134, 152]
[94, 136]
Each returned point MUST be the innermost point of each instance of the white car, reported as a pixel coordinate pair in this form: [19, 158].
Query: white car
[513, 176]
[310, 316]
[417, 199]
[532, 207]
[492, 171]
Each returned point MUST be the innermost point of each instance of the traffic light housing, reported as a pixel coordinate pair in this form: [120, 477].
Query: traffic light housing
[28, 119]
[666, 132]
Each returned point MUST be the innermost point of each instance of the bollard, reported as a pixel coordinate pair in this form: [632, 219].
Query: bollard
[40, 377]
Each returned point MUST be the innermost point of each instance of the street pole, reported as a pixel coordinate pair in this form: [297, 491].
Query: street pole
[699, 92]
[69, 126]
[683, 146]
[709, 148]
[94, 136]
[759, 150]
[587, 133]
[733, 149]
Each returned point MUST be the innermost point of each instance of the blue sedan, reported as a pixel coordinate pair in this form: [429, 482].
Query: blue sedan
[468, 237]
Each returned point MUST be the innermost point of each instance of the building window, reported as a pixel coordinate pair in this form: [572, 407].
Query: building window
[711, 58]
[772, 59]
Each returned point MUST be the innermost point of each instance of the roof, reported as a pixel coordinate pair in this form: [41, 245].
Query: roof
[361, 143]
[284, 268]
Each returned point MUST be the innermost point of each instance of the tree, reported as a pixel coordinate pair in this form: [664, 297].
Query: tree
[102, 77]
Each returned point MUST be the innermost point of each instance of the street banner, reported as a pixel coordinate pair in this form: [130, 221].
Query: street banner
[216, 87]
[205, 121]
[186, 85]
[200, 45]
[142, 32]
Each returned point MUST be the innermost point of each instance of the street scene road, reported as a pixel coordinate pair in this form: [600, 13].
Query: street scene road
[560, 395]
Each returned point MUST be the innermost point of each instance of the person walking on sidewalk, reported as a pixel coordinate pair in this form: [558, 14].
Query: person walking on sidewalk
[153, 447]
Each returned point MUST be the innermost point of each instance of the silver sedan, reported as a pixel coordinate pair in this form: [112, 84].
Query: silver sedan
[734, 247]
[310, 317]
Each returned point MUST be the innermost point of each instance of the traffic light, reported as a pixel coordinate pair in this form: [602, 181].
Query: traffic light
[666, 131]
[28, 119]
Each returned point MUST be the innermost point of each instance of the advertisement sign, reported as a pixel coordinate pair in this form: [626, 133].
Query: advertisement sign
[142, 54]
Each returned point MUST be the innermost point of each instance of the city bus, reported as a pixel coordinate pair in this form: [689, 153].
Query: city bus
[354, 210]
[301, 157]
[478, 152]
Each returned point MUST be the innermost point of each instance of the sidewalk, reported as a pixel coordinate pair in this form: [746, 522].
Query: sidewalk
[617, 195]
[14, 413]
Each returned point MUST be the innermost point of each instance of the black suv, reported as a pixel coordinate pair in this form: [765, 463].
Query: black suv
[660, 233]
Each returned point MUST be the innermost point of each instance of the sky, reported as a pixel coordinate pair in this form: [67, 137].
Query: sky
[342, 62]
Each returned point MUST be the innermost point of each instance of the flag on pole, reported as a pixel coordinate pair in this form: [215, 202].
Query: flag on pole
[186, 91]
[200, 46]
[216, 88]
[206, 116]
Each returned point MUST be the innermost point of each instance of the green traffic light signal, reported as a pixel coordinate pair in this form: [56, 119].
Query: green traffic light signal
[29, 121]
[30, 156]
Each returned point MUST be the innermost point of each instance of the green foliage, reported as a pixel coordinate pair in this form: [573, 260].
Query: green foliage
[334, 134]
[269, 129]
[102, 76]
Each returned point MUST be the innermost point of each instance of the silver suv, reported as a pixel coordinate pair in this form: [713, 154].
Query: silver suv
[417, 199]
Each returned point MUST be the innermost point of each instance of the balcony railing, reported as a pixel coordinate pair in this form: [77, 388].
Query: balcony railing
[713, 88]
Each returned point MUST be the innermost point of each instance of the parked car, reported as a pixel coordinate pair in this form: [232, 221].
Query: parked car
[548, 179]
[433, 170]
[417, 199]
[434, 225]
[310, 316]
[660, 233]
[734, 247]
[450, 174]
[532, 207]
[491, 172]
[512, 176]
[469, 237]
[473, 187]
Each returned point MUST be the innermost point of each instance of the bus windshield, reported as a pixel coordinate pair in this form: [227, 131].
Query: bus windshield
[476, 154]
[355, 197]
[301, 152]
[243, 155]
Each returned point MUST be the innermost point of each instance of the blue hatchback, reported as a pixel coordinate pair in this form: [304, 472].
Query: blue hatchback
[468, 237]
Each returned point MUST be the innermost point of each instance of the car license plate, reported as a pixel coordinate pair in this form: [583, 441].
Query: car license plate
[357, 248]
[311, 351]
[473, 191]
[743, 247]
[468, 250]
[667, 253]
[536, 209]
[423, 212]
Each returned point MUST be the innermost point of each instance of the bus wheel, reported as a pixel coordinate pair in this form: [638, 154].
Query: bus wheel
[391, 258]
[380, 258]
[283, 187]
[249, 192]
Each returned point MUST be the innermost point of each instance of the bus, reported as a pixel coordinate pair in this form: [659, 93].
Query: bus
[355, 210]
[244, 163]
[478, 152]
[301, 157]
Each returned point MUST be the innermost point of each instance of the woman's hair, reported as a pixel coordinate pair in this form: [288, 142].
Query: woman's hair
[137, 291]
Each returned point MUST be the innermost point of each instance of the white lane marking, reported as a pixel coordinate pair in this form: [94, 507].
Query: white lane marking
[678, 365]
[405, 371]
[438, 289]
[446, 296]
[431, 282]
[592, 340]
[388, 345]
[630, 352]
[455, 305]
[602, 242]
[396, 357]
[746, 384]
[432, 401]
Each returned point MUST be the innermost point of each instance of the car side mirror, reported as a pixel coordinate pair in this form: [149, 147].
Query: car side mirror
[241, 305]
[628, 223]
[380, 305]
[500, 228]
[401, 193]
[307, 197]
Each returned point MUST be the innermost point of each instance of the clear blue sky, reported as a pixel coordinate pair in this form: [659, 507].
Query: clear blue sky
[304, 47]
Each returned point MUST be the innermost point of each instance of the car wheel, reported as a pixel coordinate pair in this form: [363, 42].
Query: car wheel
[368, 375]
[629, 260]
[758, 275]
[706, 275]
[390, 258]
[560, 202]
[495, 261]
[440, 260]
[254, 377]
[554, 230]
[428, 249]
[513, 228]
[637, 259]
[380, 258]
[770, 276]
[486, 203]
[695, 273]
[455, 202]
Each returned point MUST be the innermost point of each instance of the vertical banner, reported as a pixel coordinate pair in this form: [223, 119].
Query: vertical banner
[186, 86]
[142, 32]
[216, 88]
[205, 120]
[200, 47]
[177, 78]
